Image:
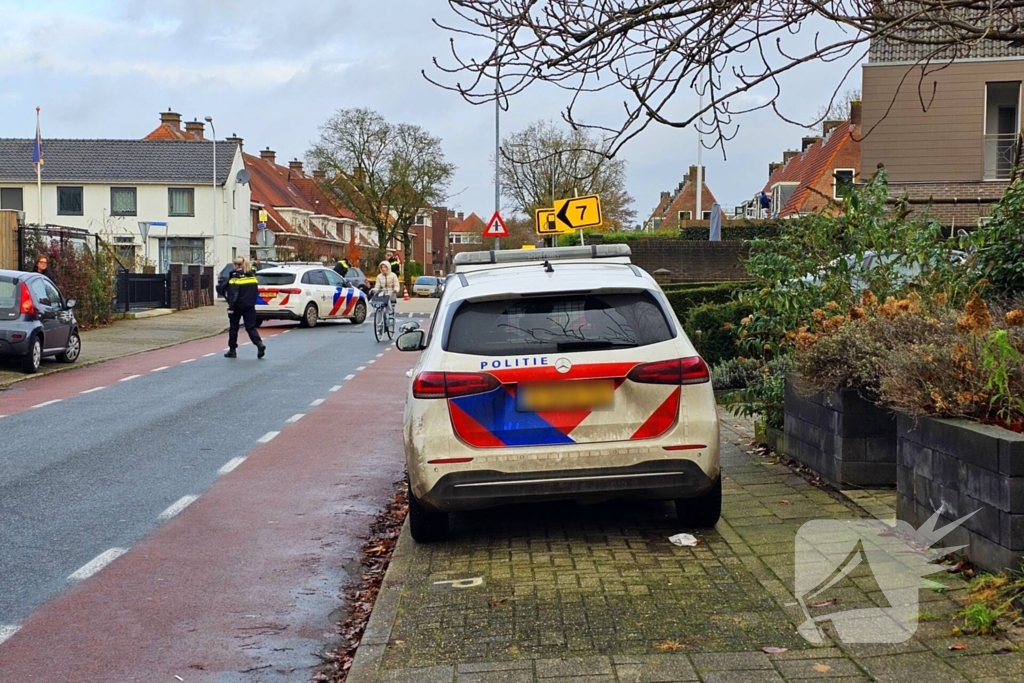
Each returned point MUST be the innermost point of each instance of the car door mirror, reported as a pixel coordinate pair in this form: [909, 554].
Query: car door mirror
[410, 341]
[70, 303]
[409, 327]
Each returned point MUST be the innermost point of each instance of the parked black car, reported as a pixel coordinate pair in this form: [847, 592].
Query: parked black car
[357, 279]
[36, 321]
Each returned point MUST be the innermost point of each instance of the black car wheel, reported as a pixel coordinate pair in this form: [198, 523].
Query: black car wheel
[426, 526]
[73, 349]
[30, 364]
[309, 316]
[703, 511]
[359, 315]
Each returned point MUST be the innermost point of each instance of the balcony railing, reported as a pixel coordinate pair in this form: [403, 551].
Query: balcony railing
[1000, 156]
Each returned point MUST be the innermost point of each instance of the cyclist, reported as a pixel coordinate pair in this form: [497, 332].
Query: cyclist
[387, 281]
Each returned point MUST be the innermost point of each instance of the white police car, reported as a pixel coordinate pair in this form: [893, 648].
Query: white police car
[556, 374]
[307, 294]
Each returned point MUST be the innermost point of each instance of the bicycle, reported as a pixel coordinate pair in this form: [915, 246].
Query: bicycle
[383, 316]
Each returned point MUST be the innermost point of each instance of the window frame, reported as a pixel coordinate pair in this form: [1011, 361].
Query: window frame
[20, 190]
[705, 215]
[191, 192]
[688, 217]
[81, 200]
[135, 200]
[835, 180]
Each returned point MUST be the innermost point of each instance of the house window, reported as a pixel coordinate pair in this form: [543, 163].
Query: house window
[843, 182]
[181, 201]
[11, 199]
[685, 215]
[706, 215]
[123, 201]
[1002, 126]
[185, 250]
[69, 201]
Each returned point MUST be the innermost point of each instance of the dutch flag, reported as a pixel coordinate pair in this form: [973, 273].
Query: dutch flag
[37, 149]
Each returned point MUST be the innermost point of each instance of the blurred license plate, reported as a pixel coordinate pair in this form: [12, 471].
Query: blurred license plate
[268, 296]
[572, 395]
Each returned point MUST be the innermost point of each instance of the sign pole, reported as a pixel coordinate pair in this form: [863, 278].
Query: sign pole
[497, 135]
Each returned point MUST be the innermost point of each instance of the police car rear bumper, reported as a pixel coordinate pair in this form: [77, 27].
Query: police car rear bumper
[657, 480]
[279, 314]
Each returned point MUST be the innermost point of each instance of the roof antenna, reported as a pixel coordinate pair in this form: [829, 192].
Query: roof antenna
[547, 267]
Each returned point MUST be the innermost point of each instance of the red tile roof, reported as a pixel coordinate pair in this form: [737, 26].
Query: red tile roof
[808, 168]
[473, 223]
[165, 131]
[684, 199]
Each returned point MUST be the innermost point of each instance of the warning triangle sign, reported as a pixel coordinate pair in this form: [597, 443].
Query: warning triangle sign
[496, 227]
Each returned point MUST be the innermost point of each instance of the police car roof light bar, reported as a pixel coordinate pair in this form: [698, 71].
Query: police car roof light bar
[595, 251]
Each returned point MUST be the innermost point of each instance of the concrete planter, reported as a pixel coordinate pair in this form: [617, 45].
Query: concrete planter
[842, 437]
[957, 467]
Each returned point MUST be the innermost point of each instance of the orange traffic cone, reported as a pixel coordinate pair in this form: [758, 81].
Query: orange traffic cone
[405, 295]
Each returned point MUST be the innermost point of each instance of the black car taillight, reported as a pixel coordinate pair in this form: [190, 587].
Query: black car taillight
[679, 371]
[452, 384]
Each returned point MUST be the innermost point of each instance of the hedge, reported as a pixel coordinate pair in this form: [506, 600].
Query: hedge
[713, 329]
[735, 230]
[684, 300]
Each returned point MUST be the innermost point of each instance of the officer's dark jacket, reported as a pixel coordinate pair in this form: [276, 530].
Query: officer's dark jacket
[342, 267]
[396, 266]
[242, 288]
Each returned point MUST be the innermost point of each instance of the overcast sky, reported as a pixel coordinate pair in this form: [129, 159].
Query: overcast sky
[272, 72]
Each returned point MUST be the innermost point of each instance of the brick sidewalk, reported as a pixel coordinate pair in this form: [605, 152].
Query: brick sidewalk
[128, 337]
[597, 594]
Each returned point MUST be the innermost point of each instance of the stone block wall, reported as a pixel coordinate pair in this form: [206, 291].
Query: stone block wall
[691, 261]
[958, 467]
[842, 437]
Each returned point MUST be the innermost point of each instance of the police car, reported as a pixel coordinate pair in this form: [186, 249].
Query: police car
[307, 294]
[556, 373]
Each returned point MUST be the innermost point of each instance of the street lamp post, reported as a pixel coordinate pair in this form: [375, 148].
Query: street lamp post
[213, 131]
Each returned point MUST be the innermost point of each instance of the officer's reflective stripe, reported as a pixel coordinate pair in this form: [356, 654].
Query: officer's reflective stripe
[243, 281]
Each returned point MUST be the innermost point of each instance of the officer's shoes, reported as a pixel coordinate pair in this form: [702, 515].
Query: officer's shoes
[262, 351]
[231, 354]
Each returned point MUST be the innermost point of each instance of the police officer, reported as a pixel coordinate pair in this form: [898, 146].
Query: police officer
[241, 290]
[342, 267]
[396, 265]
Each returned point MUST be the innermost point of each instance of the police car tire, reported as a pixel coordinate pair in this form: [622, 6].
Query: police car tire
[703, 511]
[359, 315]
[308, 320]
[426, 526]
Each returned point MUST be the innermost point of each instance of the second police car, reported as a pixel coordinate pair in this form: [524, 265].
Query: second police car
[307, 294]
[557, 374]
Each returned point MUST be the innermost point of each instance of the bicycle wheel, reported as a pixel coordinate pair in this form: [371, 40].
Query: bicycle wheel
[379, 323]
[391, 324]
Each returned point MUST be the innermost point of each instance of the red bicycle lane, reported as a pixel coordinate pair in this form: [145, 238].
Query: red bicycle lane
[245, 578]
[60, 386]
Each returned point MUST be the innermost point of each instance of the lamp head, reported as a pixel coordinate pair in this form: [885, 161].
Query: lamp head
[208, 119]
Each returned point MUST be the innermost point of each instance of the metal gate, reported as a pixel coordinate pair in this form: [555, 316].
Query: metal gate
[141, 290]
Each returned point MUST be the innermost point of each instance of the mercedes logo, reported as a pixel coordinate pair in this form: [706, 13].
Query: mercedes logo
[563, 365]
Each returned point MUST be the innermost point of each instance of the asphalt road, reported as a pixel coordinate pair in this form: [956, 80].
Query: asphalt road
[94, 460]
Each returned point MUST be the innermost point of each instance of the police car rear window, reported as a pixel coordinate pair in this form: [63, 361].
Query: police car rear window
[275, 279]
[591, 322]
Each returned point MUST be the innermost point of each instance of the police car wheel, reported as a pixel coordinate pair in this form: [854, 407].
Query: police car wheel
[703, 511]
[309, 316]
[426, 526]
[359, 315]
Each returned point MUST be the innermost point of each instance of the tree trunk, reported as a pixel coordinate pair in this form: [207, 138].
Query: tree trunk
[406, 255]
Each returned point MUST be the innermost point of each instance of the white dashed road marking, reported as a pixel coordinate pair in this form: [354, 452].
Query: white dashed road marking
[129, 377]
[380, 355]
[231, 464]
[47, 403]
[93, 390]
[161, 368]
[361, 367]
[336, 387]
[267, 438]
[207, 355]
[317, 402]
[295, 418]
[178, 506]
[101, 561]
[348, 377]
[371, 361]
[187, 361]
[7, 631]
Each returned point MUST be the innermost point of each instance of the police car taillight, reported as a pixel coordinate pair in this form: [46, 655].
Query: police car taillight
[452, 384]
[691, 370]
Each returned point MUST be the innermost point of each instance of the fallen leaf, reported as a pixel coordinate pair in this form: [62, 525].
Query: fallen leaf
[822, 668]
[958, 646]
[827, 603]
[774, 650]
[497, 602]
[784, 502]
[668, 646]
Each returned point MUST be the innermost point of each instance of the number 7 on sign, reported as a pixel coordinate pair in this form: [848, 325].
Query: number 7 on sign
[579, 212]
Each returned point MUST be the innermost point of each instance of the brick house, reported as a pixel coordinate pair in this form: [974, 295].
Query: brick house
[443, 223]
[811, 179]
[958, 153]
[675, 208]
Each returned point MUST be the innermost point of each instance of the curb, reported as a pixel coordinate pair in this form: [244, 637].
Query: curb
[75, 366]
[366, 664]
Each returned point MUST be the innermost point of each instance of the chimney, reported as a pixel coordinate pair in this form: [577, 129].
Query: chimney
[460, 216]
[788, 155]
[855, 112]
[665, 196]
[195, 127]
[268, 155]
[829, 126]
[810, 140]
[773, 167]
[170, 118]
[296, 165]
[235, 139]
[451, 213]
[320, 175]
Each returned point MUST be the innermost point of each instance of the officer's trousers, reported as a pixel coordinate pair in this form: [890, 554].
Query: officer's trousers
[248, 316]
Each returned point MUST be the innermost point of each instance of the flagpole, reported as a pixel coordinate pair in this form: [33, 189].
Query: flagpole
[39, 174]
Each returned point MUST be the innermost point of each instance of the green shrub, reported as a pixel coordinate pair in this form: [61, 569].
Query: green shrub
[766, 395]
[736, 373]
[415, 269]
[738, 230]
[616, 237]
[684, 300]
[999, 245]
[714, 328]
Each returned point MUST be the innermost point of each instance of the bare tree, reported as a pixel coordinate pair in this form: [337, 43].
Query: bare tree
[839, 108]
[386, 174]
[733, 52]
[543, 162]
